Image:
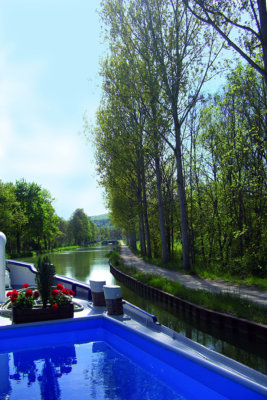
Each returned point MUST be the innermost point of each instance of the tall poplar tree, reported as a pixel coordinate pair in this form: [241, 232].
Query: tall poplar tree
[241, 23]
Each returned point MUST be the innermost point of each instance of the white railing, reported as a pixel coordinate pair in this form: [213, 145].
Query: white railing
[22, 272]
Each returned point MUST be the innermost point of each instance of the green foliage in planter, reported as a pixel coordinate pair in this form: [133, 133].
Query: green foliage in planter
[61, 296]
[24, 302]
[45, 278]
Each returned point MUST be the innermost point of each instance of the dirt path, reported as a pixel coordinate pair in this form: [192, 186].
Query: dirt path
[215, 286]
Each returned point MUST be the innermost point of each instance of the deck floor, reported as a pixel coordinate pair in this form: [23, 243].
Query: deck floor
[165, 336]
[88, 310]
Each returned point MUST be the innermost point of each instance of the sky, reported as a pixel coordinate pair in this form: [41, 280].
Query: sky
[50, 52]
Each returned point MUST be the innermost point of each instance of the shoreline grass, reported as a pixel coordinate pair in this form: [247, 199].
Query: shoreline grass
[176, 265]
[221, 302]
[35, 253]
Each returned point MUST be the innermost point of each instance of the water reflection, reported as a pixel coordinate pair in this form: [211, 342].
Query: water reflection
[112, 376]
[41, 368]
[83, 264]
[5, 387]
[100, 372]
[49, 383]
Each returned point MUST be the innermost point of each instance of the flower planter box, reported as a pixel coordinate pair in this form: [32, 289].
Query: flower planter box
[39, 314]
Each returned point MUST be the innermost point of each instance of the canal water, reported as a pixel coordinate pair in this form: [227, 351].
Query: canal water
[92, 263]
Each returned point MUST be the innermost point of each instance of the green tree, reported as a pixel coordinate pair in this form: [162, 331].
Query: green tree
[93, 231]
[12, 217]
[180, 51]
[79, 227]
[246, 20]
[120, 138]
[61, 238]
[36, 204]
[234, 174]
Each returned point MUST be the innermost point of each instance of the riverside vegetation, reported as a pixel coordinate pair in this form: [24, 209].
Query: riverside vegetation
[182, 159]
[31, 225]
[205, 273]
[225, 303]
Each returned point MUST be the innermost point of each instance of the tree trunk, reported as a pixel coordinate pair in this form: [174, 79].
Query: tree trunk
[141, 218]
[18, 242]
[147, 231]
[182, 197]
[161, 213]
[263, 24]
[142, 234]
[132, 238]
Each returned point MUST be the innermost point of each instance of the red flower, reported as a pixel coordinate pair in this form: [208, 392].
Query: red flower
[60, 287]
[71, 293]
[54, 293]
[26, 285]
[28, 293]
[36, 294]
[13, 299]
[8, 294]
[65, 291]
[14, 293]
[54, 306]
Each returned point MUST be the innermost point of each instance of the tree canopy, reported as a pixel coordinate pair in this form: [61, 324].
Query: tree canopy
[185, 172]
[28, 219]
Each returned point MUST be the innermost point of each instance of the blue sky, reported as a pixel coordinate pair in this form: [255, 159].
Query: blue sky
[49, 64]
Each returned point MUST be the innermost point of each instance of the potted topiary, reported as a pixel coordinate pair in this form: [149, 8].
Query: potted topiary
[56, 302]
[45, 278]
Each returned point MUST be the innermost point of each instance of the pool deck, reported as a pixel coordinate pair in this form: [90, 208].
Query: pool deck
[144, 324]
[87, 310]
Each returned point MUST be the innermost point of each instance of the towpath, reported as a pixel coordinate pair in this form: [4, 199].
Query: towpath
[215, 286]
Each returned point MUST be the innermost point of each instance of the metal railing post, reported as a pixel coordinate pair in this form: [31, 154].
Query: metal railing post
[2, 267]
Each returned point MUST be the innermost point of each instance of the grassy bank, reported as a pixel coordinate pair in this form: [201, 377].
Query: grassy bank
[226, 303]
[34, 253]
[176, 265]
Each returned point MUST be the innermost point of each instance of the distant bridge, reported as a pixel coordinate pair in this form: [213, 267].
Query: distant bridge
[106, 242]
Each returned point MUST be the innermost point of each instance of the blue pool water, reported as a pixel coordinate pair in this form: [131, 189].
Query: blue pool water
[99, 359]
[82, 371]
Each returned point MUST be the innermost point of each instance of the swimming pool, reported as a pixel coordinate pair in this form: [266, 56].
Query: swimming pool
[100, 358]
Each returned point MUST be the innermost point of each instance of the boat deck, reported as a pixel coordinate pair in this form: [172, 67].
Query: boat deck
[139, 324]
[145, 324]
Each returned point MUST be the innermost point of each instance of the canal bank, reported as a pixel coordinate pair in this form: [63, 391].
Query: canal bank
[224, 323]
[215, 286]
